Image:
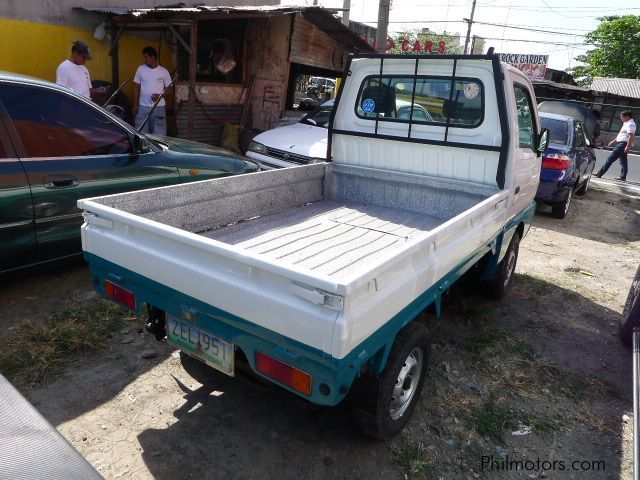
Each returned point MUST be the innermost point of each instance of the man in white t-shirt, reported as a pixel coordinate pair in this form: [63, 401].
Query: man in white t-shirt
[73, 74]
[150, 82]
[623, 143]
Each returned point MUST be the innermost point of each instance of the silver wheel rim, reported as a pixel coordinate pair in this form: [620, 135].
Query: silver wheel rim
[511, 266]
[406, 384]
[566, 205]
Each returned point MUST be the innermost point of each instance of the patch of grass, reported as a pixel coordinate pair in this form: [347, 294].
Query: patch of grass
[415, 462]
[564, 389]
[523, 349]
[468, 307]
[38, 349]
[539, 287]
[490, 419]
[543, 422]
[585, 415]
[540, 325]
[484, 339]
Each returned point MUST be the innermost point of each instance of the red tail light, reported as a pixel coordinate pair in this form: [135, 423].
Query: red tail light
[283, 373]
[556, 161]
[119, 294]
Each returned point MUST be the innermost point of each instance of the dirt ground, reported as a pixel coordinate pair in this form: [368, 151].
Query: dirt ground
[545, 363]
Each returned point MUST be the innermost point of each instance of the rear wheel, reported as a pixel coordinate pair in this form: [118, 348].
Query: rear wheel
[501, 283]
[382, 405]
[631, 313]
[560, 210]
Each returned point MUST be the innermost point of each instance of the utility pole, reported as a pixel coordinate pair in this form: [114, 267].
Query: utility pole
[383, 25]
[469, 23]
[346, 10]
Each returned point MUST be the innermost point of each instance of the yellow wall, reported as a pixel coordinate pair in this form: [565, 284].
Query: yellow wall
[37, 49]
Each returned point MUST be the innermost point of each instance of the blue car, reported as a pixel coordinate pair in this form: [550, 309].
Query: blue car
[566, 165]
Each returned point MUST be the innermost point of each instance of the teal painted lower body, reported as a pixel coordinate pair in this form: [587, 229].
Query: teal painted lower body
[335, 375]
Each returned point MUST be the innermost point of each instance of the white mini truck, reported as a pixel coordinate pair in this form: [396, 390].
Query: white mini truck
[313, 276]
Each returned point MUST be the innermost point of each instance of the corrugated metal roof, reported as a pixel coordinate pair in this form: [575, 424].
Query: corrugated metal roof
[321, 17]
[565, 86]
[137, 12]
[623, 87]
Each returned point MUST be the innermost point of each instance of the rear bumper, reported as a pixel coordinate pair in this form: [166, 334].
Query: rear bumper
[554, 186]
[248, 337]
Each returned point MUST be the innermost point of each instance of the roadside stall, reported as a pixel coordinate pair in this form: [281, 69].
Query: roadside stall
[237, 67]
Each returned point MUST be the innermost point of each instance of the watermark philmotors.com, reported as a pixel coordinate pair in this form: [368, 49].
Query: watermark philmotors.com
[489, 463]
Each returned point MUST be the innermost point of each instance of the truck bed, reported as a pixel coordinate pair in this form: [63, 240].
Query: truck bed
[330, 220]
[268, 247]
[338, 239]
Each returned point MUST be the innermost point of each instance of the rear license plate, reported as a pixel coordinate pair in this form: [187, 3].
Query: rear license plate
[212, 350]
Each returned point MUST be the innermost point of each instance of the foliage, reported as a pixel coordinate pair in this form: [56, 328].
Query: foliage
[424, 36]
[616, 52]
[38, 349]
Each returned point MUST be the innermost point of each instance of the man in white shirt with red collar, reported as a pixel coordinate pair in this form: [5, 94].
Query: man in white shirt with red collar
[74, 75]
[623, 143]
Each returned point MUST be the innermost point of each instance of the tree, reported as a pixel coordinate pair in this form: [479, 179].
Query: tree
[616, 52]
[424, 42]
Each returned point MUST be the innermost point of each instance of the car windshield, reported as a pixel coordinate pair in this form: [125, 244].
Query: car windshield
[558, 130]
[319, 118]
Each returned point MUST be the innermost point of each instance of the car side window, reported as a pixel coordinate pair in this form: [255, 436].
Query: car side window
[52, 124]
[580, 140]
[524, 108]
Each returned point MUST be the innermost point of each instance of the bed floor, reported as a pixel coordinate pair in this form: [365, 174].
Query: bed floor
[334, 238]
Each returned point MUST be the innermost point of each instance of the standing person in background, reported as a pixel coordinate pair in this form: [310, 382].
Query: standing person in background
[623, 143]
[74, 75]
[150, 81]
[597, 129]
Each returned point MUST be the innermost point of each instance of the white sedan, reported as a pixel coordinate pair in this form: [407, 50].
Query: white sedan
[298, 144]
[306, 141]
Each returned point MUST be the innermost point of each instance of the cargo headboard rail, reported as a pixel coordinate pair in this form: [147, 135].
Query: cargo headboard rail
[453, 106]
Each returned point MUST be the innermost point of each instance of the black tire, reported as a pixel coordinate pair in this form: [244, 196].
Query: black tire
[501, 283]
[584, 187]
[631, 313]
[371, 401]
[560, 209]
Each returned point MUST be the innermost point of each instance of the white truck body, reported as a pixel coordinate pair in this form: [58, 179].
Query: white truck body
[323, 264]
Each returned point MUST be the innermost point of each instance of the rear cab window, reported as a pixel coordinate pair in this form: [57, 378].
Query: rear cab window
[422, 100]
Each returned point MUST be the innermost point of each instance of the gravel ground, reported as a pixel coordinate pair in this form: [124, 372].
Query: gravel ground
[545, 363]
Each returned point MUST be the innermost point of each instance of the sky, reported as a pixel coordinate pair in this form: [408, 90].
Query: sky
[565, 22]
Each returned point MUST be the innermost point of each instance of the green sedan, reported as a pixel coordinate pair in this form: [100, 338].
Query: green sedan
[57, 147]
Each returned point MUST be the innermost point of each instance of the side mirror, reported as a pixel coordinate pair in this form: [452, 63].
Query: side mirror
[140, 144]
[543, 140]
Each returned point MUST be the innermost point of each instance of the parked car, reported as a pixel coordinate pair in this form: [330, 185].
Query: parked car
[57, 147]
[631, 313]
[321, 82]
[566, 165]
[306, 141]
[298, 144]
[314, 277]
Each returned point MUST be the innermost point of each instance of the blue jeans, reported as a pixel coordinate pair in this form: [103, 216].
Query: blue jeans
[617, 152]
[157, 123]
